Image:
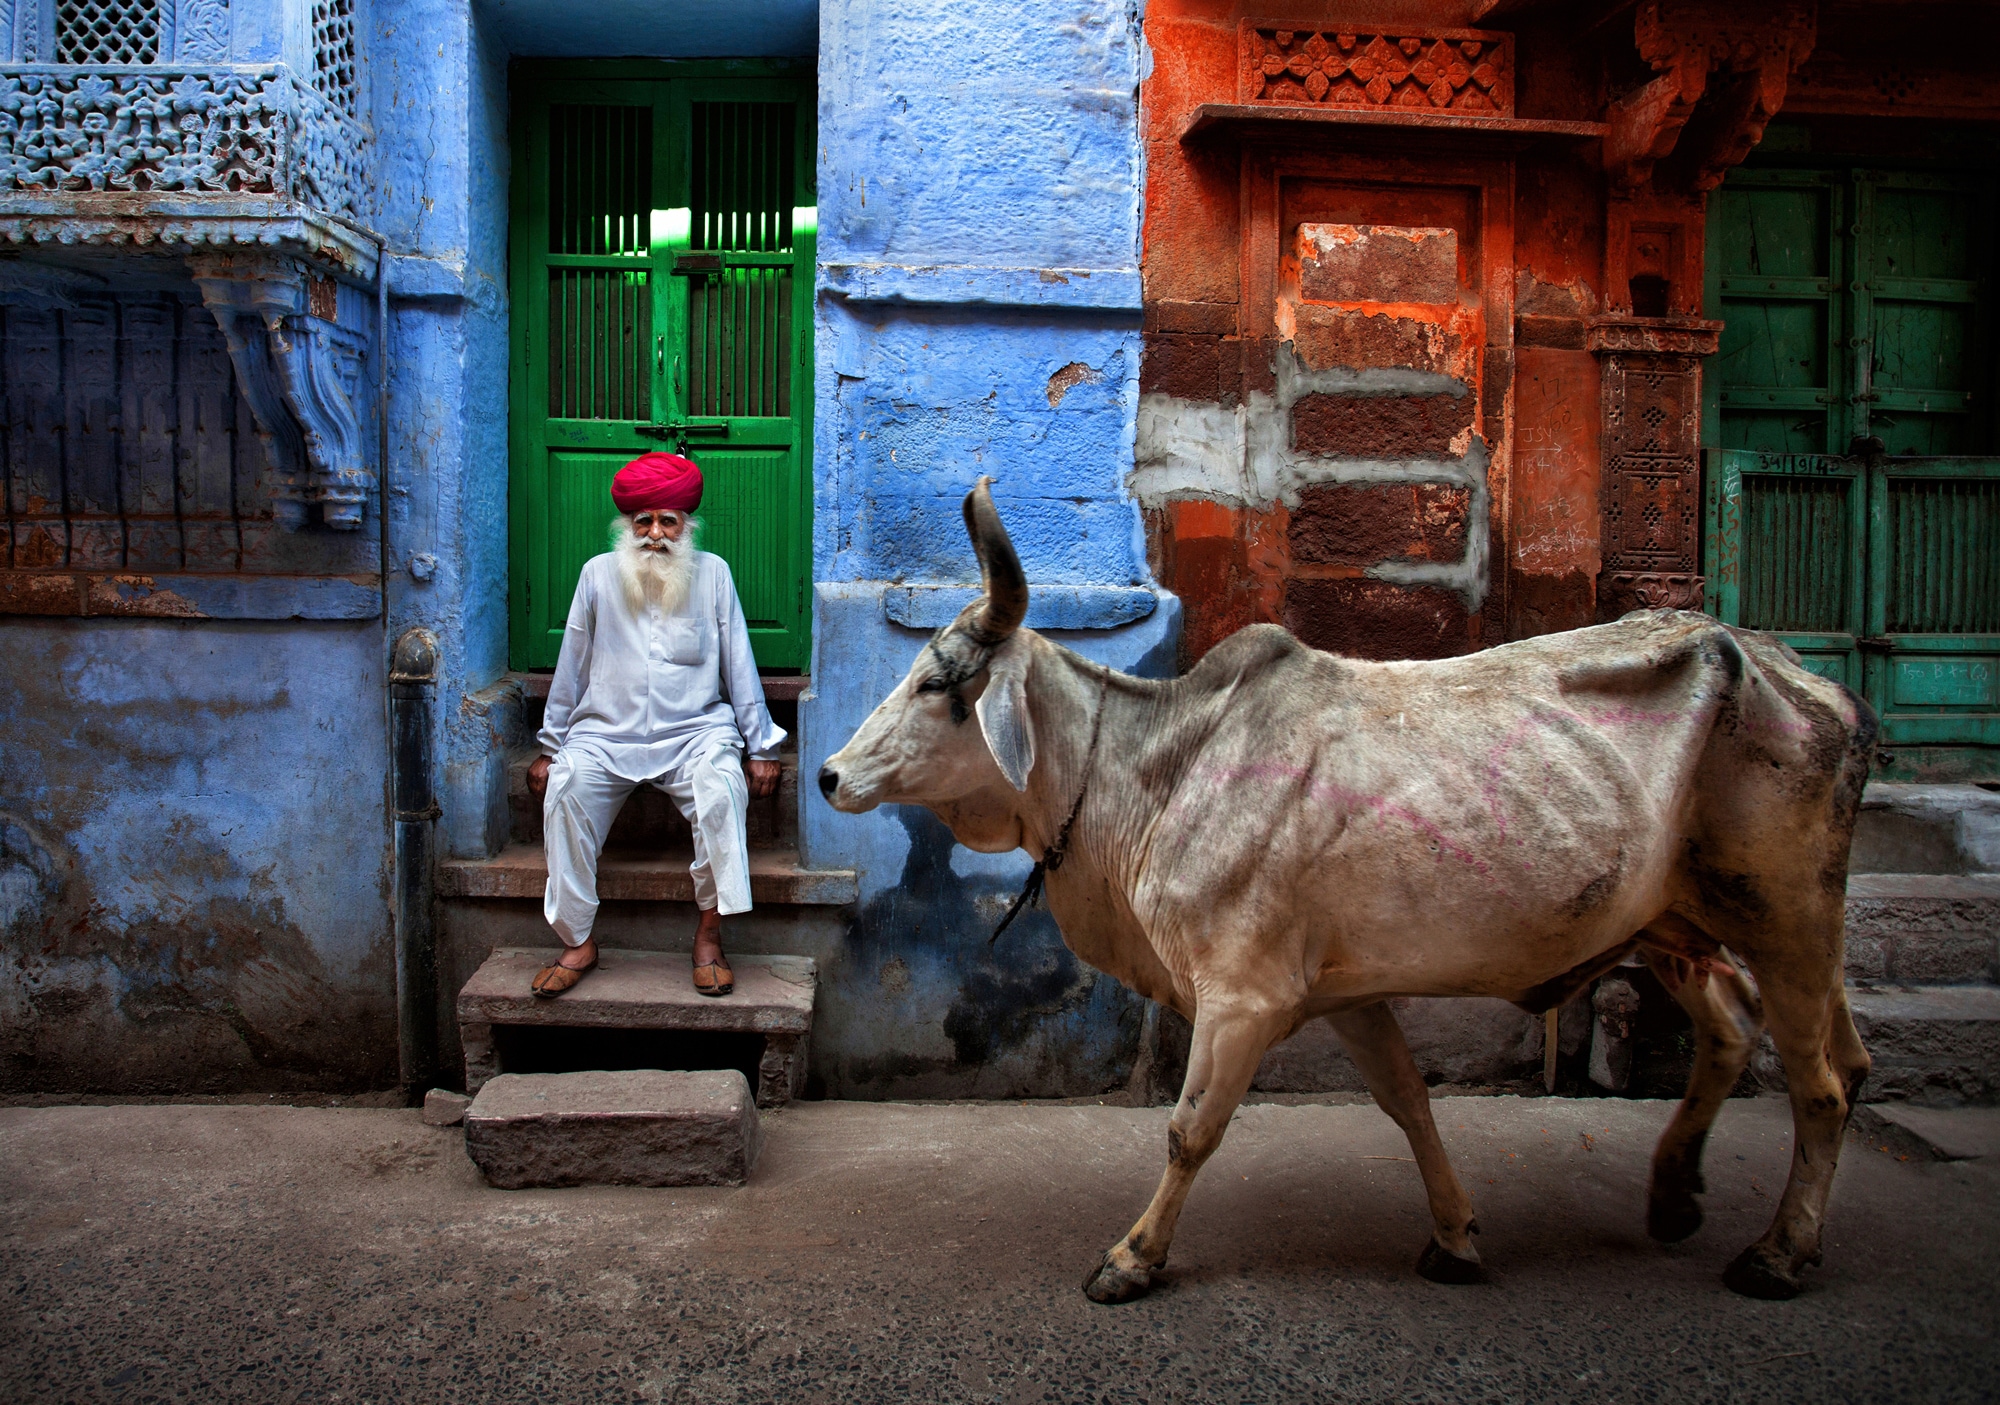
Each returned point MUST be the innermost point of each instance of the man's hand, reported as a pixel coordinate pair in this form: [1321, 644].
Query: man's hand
[763, 778]
[538, 777]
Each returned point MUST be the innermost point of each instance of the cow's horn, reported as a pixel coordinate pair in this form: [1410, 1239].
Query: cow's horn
[1004, 587]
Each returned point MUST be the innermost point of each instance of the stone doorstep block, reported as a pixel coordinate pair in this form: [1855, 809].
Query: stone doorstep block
[1936, 1133]
[638, 1127]
[647, 990]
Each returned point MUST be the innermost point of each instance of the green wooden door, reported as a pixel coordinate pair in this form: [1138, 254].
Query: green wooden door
[662, 266]
[1853, 506]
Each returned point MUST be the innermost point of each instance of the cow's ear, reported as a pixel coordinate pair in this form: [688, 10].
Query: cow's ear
[1003, 712]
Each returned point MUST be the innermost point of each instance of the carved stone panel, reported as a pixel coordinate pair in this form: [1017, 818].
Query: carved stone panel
[201, 31]
[1469, 72]
[1650, 494]
[171, 129]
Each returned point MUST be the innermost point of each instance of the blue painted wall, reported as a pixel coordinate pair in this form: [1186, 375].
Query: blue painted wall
[193, 878]
[193, 868]
[439, 80]
[978, 312]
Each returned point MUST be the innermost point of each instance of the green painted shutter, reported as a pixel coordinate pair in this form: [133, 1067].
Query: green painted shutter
[1858, 303]
[1786, 536]
[662, 252]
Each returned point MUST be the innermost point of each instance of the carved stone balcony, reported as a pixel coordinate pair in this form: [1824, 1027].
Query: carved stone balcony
[221, 157]
[122, 185]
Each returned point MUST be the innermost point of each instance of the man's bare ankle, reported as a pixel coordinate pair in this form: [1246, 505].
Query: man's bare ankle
[708, 938]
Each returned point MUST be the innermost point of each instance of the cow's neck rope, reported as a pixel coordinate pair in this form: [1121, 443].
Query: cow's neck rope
[1052, 857]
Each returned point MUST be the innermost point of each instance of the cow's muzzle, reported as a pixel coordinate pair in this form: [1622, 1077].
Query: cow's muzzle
[829, 781]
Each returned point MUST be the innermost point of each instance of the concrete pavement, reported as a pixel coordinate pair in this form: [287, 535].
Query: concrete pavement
[933, 1252]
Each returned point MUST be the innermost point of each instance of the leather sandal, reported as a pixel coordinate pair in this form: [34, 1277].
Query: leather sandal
[714, 977]
[552, 981]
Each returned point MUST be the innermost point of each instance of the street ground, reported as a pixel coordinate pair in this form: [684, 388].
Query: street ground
[933, 1252]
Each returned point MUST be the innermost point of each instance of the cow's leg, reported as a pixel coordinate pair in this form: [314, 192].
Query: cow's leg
[1228, 1042]
[1803, 1002]
[1375, 1042]
[1844, 1049]
[1727, 1019]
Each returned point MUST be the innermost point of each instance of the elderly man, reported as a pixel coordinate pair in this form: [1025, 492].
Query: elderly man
[655, 686]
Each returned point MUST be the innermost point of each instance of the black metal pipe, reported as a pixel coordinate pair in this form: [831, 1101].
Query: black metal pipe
[412, 683]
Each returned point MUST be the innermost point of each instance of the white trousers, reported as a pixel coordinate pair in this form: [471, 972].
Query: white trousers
[584, 797]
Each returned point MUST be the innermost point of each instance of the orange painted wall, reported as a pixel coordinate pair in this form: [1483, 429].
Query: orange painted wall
[1536, 385]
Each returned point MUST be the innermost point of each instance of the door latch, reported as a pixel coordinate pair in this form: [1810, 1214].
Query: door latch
[671, 430]
[679, 434]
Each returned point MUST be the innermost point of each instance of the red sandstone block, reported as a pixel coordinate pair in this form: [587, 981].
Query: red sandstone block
[1377, 263]
[1189, 368]
[1381, 426]
[1371, 619]
[1360, 524]
[1200, 518]
[1325, 337]
[40, 593]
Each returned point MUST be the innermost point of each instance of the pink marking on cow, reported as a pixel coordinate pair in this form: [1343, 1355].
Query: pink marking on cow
[1378, 805]
[1490, 789]
[1632, 716]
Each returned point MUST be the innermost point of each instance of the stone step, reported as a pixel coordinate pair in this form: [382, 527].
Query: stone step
[521, 870]
[1933, 1133]
[634, 1127]
[650, 820]
[1935, 1044]
[1923, 929]
[1928, 829]
[771, 1007]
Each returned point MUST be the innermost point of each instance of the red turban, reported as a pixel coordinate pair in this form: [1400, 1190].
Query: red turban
[657, 482]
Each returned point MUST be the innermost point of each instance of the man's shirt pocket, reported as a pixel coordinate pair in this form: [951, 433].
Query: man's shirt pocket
[688, 641]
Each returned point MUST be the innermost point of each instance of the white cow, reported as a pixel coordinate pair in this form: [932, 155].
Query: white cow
[1283, 835]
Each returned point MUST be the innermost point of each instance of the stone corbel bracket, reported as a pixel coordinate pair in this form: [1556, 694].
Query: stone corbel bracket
[1685, 41]
[299, 370]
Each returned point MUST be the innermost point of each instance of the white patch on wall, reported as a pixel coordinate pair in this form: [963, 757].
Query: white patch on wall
[1241, 456]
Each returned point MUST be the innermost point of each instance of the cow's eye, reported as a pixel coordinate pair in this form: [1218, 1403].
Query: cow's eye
[932, 685]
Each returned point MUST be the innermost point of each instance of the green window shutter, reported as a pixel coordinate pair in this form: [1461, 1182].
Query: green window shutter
[1783, 534]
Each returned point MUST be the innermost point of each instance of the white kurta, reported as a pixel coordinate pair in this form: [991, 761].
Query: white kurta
[644, 697]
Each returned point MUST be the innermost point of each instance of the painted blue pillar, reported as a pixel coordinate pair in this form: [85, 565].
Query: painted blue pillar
[977, 313]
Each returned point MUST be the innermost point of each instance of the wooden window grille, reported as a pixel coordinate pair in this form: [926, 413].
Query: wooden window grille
[600, 319]
[740, 202]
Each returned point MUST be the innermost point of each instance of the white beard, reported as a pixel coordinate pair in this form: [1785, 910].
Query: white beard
[661, 575]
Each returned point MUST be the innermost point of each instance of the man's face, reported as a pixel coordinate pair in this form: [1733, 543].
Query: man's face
[655, 529]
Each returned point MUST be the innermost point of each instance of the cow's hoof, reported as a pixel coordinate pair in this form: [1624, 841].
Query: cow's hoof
[1440, 1265]
[1672, 1216]
[1109, 1283]
[1755, 1276]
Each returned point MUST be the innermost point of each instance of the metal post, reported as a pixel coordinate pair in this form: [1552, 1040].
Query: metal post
[412, 681]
